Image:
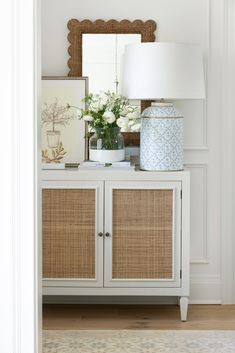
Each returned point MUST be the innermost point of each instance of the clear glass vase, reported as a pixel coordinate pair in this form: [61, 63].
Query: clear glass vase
[107, 145]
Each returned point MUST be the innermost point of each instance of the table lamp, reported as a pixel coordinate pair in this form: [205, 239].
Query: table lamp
[162, 72]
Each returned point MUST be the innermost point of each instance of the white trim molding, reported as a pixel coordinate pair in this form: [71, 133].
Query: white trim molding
[228, 154]
[18, 251]
[204, 258]
[8, 311]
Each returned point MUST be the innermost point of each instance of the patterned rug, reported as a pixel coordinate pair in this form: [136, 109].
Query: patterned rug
[127, 341]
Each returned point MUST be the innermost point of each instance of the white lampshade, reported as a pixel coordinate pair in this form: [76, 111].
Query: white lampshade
[163, 70]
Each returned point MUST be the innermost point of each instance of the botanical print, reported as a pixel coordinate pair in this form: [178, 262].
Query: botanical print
[56, 155]
[62, 131]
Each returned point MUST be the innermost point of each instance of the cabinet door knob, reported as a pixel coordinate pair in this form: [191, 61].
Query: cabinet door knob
[107, 234]
[100, 234]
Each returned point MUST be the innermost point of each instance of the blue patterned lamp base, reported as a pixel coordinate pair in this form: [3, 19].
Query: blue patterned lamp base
[161, 138]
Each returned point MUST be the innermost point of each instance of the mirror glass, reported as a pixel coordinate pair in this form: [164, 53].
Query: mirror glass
[102, 59]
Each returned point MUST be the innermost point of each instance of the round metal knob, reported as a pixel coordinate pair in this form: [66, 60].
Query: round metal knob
[100, 234]
[107, 234]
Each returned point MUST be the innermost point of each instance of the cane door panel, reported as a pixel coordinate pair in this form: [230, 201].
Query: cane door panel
[143, 225]
[71, 220]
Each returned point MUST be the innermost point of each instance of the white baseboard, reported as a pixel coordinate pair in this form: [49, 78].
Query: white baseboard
[205, 290]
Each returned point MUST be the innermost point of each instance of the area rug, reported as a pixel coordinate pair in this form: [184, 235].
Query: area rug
[145, 341]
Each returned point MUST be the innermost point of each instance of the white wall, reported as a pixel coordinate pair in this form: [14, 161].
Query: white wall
[178, 20]
[196, 21]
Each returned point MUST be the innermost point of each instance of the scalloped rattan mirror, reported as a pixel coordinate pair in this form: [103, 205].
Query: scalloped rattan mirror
[78, 28]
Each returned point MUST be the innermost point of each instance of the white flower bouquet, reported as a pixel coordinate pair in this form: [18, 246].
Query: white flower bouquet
[107, 114]
[109, 109]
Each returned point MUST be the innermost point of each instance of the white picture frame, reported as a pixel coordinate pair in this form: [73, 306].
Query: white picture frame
[62, 132]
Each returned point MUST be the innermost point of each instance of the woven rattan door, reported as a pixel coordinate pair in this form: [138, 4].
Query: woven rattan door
[72, 218]
[143, 234]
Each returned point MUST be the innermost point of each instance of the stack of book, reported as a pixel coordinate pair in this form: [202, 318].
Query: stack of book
[90, 165]
[55, 166]
[52, 166]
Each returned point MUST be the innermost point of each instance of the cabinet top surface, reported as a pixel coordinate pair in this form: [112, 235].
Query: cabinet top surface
[111, 174]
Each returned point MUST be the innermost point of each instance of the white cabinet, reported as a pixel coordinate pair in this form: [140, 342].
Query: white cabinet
[124, 233]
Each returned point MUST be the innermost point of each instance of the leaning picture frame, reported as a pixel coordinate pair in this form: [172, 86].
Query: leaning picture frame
[63, 133]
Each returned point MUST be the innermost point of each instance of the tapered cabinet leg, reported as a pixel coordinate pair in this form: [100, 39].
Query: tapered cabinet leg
[183, 308]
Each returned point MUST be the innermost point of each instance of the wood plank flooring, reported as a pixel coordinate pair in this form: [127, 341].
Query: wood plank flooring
[136, 317]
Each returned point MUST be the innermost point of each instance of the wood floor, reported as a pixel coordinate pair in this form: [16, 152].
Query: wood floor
[136, 317]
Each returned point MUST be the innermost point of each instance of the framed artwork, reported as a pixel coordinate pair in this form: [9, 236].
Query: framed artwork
[63, 133]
